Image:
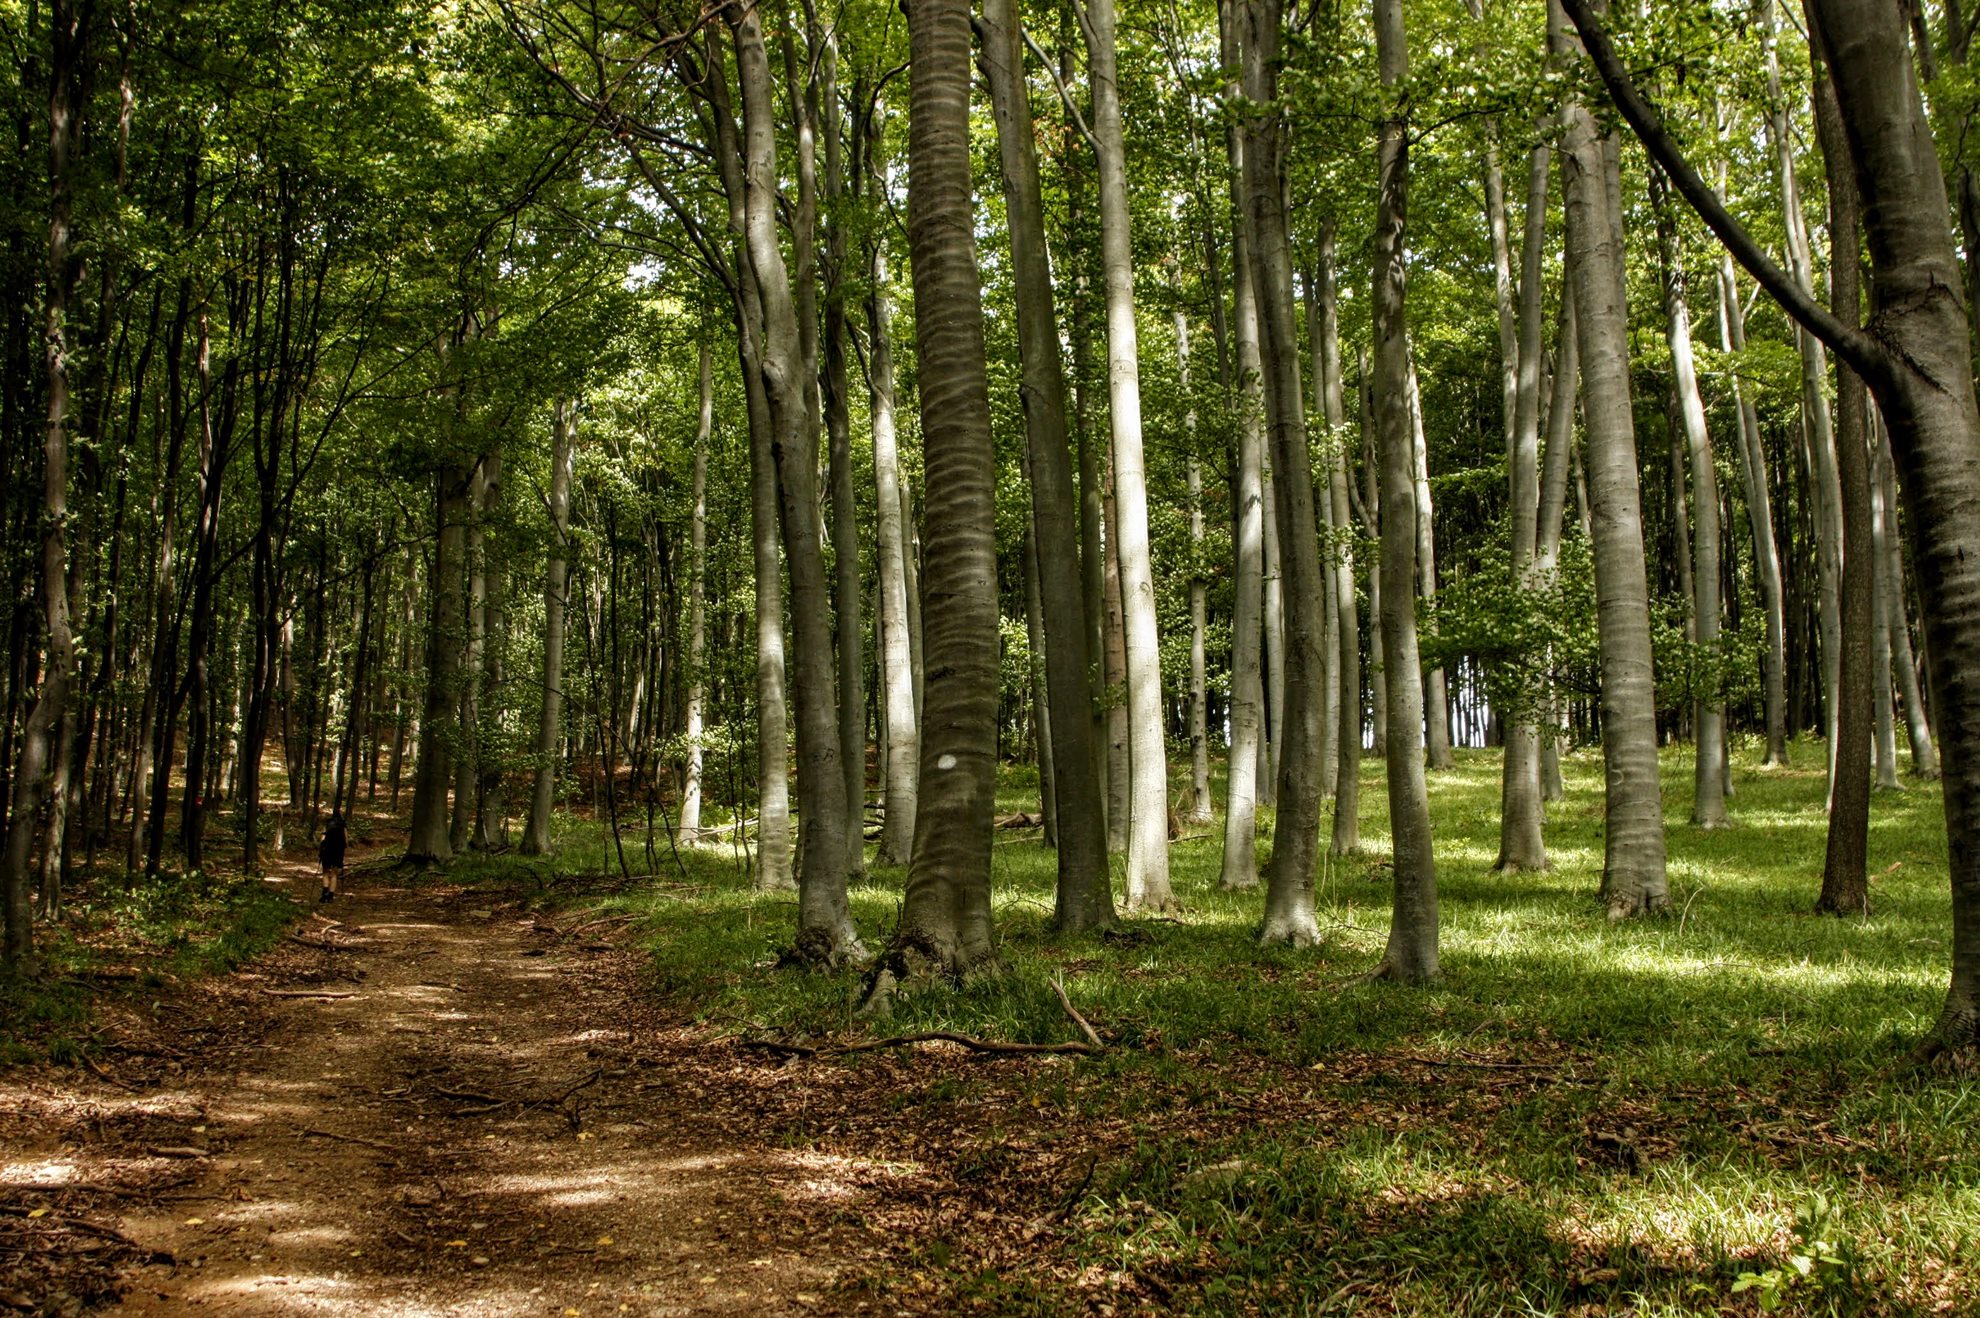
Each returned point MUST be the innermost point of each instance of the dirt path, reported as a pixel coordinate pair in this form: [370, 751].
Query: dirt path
[480, 1116]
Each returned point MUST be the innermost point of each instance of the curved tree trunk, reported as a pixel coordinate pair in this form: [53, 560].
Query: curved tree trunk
[1918, 728]
[1411, 954]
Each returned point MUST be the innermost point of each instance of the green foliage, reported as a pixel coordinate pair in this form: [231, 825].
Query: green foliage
[1821, 1265]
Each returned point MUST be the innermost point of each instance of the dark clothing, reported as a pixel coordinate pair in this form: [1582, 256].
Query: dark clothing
[331, 850]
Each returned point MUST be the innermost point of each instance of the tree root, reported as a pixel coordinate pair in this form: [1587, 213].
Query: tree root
[989, 1047]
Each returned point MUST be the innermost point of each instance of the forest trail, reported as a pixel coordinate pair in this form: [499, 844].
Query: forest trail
[487, 1119]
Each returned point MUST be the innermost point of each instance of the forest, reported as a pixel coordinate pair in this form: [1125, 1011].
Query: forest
[738, 657]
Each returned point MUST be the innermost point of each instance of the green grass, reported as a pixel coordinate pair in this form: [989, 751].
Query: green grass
[1668, 1098]
[113, 940]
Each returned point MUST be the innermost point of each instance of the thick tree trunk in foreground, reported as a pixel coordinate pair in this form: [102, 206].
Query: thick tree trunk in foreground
[1148, 762]
[945, 922]
[1289, 916]
[1633, 875]
[556, 590]
[1085, 898]
[1918, 728]
[1411, 954]
[36, 773]
[1916, 356]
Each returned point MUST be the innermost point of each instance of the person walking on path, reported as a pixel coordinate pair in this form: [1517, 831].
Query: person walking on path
[331, 853]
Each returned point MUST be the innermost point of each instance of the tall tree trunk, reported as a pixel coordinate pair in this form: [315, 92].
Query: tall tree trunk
[897, 670]
[467, 741]
[825, 929]
[1240, 863]
[1522, 837]
[1827, 492]
[1347, 741]
[1411, 953]
[1085, 898]
[849, 626]
[556, 596]
[687, 825]
[1436, 686]
[1289, 916]
[1633, 875]
[1708, 784]
[945, 923]
[37, 775]
[1553, 510]
[427, 840]
[1845, 865]
[1198, 811]
[1880, 640]
[1148, 762]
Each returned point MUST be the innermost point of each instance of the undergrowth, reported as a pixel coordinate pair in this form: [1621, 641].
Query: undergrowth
[113, 940]
[1582, 1117]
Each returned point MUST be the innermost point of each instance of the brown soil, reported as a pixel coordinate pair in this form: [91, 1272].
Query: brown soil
[488, 1118]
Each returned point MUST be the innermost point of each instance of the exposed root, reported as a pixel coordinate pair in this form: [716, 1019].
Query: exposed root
[1289, 930]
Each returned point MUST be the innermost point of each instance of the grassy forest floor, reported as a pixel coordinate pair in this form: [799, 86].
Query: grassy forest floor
[1699, 1114]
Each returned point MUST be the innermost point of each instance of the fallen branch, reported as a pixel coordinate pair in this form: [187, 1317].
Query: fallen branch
[307, 993]
[988, 1047]
[1059, 988]
[178, 1151]
[348, 1139]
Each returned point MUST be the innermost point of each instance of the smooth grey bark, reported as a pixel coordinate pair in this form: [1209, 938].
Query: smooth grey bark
[1251, 516]
[1084, 894]
[1634, 881]
[1346, 838]
[687, 825]
[945, 921]
[894, 566]
[1880, 640]
[1709, 760]
[1553, 503]
[1330, 634]
[1371, 525]
[1411, 952]
[1918, 728]
[487, 795]
[1436, 686]
[1821, 436]
[1289, 915]
[1916, 356]
[1522, 820]
[1756, 486]
[1198, 810]
[1274, 639]
[1148, 764]
[825, 934]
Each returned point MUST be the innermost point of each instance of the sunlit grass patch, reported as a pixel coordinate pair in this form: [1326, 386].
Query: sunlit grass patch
[1581, 1117]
